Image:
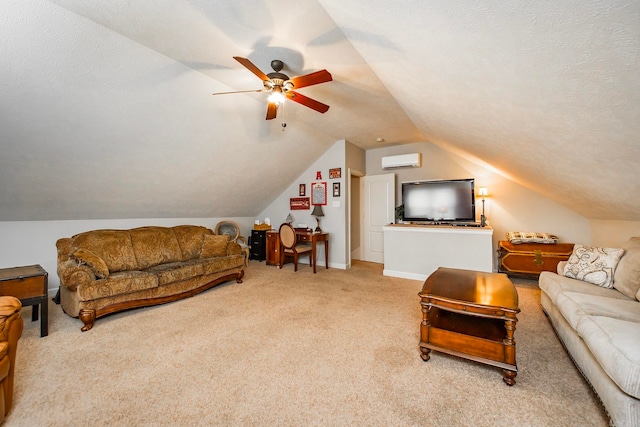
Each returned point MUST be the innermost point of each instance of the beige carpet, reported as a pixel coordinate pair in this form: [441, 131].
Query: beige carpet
[284, 348]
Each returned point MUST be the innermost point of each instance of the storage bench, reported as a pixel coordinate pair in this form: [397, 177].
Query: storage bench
[530, 259]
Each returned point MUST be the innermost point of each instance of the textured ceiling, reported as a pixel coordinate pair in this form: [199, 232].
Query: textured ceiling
[106, 108]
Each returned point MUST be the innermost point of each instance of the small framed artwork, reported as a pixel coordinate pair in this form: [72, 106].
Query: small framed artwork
[319, 193]
[336, 189]
[299, 203]
[303, 190]
[335, 173]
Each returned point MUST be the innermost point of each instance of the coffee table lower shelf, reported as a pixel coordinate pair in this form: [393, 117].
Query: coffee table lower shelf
[475, 338]
[470, 336]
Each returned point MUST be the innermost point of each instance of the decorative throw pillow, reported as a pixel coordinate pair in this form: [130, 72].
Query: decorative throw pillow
[214, 245]
[593, 265]
[626, 279]
[93, 261]
[516, 237]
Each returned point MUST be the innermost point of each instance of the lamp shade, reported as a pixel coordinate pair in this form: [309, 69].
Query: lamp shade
[317, 211]
[483, 192]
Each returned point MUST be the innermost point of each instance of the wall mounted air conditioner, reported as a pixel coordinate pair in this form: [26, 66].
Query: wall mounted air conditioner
[412, 160]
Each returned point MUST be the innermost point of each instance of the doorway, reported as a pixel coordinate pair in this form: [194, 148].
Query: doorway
[377, 209]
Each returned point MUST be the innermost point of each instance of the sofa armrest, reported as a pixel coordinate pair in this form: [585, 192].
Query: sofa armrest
[72, 275]
[560, 268]
[63, 246]
[11, 326]
[234, 249]
[8, 307]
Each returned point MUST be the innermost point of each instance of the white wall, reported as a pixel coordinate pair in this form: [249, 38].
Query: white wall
[510, 206]
[333, 221]
[34, 242]
[613, 234]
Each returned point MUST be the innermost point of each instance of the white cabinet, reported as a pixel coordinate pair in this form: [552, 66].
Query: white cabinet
[416, 251]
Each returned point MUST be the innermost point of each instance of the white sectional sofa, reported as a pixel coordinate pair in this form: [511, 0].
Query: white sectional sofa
[600, 328]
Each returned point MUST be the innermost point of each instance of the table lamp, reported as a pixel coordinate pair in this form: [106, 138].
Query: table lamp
[289, 219]
[483, 192]
[317, 212]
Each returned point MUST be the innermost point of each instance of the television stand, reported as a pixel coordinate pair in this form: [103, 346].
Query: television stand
[446, 223]
[415, 251]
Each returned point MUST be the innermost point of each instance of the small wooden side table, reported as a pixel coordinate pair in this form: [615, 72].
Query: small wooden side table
[29, 284]
[470, 314]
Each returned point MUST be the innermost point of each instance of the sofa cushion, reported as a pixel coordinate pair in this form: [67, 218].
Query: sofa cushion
[119, 283]
[113, 246]
[214, 245]
[626, 279]
[593, 265]
[216, 265]
[612, 343]
[553, 284]
[190, 239]
[154, 246]
[574, 306]
[93, 261]
[177, 271]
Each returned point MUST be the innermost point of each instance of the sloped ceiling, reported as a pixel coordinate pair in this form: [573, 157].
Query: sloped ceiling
[106, 108]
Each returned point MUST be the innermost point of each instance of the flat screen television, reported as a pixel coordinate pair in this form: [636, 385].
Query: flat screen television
[442, 201]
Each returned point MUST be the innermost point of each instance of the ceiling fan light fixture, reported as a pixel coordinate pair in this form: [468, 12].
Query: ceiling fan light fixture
[280, 86]
[277, 97]
[287, 86]
[268, 84]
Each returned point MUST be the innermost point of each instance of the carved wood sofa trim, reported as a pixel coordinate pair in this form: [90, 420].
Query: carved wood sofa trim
[89, 317]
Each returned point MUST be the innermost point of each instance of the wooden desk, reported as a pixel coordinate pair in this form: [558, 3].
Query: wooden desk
[29, 284]
[314, 238]
[273, 246]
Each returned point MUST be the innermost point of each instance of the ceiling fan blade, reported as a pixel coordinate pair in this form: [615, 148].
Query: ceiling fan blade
[272, 110]
[238, 91]
[308, 102]
[318, 77]
[249, 66]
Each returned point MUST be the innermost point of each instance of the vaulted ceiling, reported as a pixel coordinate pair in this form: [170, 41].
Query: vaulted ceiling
[106, 108]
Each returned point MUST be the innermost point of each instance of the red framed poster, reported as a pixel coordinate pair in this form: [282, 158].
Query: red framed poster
[299, 203]
[318, 193]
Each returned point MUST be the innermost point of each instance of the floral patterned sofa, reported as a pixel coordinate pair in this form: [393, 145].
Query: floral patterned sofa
[108, 271]
[593, 304]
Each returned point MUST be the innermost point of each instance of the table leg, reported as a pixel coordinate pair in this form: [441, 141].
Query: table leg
[424, 332]
[509, 377]
[326, 254]
[425, 353]
[34, 312]
[313, 255]
[44, 319]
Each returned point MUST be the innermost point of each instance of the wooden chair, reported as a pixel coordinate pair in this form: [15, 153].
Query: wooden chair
[232, 229]
[289, 246]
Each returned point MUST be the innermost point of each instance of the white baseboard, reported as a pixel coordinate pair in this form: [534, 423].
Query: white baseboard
[405, 275]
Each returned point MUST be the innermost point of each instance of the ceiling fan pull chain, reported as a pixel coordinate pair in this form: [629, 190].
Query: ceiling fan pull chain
[284, 124]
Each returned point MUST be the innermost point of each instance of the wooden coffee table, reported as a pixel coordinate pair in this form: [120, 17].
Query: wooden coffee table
[470, 314]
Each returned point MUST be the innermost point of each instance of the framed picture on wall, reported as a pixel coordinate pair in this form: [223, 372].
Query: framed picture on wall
[303, 190]
[336, 189]
[299, 203]
[319, 193]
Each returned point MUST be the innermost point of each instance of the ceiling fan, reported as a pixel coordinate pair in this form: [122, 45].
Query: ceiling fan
[280, 86]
